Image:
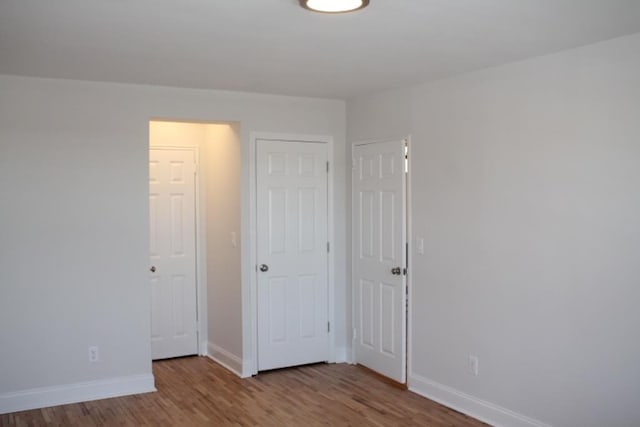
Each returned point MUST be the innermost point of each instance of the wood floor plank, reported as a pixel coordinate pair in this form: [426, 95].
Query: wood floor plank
[196, 391]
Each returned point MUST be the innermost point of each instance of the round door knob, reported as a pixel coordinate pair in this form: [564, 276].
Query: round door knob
[396, 271]
[264, 267]
[153, 269]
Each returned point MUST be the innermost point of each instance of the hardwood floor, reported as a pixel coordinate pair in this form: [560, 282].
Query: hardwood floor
[197, 392]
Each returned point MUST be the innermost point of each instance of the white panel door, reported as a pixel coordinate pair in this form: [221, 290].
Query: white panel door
[292, 253]
[379, 236]
[173, 253]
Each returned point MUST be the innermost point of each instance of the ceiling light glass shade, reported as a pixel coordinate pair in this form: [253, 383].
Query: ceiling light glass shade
[334, 6]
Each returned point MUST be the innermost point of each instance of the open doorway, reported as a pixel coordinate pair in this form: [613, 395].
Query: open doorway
[196, 240]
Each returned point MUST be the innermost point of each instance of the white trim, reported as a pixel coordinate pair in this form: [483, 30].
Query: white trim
[409, 281]
[477, 408]
[252, 303]
[247, 366]
[349, 356]
[73, 393]
[331, 315]
[201, 256]
[225, 358]
[342, 355]
[201, 253]
[351, 341]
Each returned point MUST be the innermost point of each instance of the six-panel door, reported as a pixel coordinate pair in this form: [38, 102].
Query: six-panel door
[379, 236]
[172, 253]
[292, 253]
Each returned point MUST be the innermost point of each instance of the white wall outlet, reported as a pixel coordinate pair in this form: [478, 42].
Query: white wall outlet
[420, 245]
[93, 354]
[473, 365]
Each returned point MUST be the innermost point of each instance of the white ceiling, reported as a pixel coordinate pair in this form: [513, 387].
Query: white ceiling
[274, 46]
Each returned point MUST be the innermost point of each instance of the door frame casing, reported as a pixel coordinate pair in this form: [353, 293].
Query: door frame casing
[410, 244]
[201, 256]
[250, 301]
[409, 254]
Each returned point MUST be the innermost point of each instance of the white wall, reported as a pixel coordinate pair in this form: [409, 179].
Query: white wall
[529, 203]
[74, 190]
[177, 134]
[221, 161]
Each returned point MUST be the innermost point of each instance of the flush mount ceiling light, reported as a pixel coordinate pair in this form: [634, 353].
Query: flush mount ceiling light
[334, 6]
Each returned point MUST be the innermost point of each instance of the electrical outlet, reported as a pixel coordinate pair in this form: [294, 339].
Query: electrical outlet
[420, 245]
[234, 240]
[473, 365]
[93, 354]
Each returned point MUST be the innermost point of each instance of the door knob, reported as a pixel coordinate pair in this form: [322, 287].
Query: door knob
[264, 267]
[153, 269]
[396, 271]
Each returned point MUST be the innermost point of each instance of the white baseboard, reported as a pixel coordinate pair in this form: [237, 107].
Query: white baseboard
[226, 359]
[73, 393]
[470, 405]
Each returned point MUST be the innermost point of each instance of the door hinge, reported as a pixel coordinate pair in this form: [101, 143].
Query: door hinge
[406, 156]
[327, 167]
[328, 326]
[404, 271]
[406, 299]
[328, 247]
